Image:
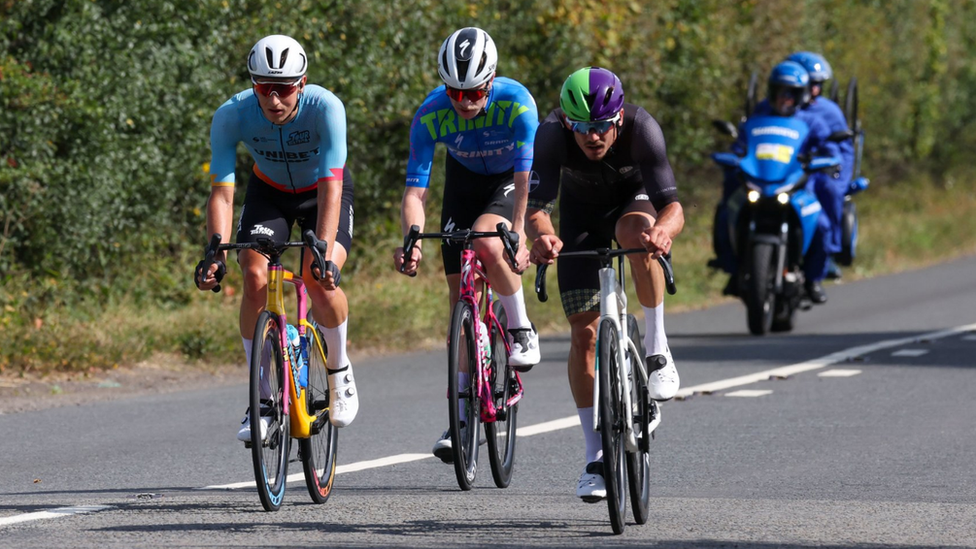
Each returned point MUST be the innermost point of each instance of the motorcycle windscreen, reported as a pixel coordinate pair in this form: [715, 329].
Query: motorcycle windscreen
[773, 143]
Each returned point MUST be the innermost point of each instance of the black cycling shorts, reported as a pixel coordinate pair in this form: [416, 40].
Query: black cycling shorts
[467, 196]
[588, 226]
[270, 212]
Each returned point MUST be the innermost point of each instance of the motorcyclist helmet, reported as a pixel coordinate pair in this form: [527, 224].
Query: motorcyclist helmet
[815, 64]
[789, 78]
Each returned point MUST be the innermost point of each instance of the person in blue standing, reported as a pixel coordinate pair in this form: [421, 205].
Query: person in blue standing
[296, 133]
[830, 190]
[788, 92]
[488, 125]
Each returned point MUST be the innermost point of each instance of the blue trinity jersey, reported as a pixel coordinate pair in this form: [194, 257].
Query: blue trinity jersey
[498, 140]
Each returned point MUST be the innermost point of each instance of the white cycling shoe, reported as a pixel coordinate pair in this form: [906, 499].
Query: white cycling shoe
[664, 380]
[244, 435]
[524, 343]
[591, 487]
[344, 398]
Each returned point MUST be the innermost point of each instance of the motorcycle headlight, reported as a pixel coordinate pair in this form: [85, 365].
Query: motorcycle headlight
[783, 198]
[753, 196]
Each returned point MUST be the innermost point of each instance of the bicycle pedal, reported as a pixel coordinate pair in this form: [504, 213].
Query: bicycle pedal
[592, 499]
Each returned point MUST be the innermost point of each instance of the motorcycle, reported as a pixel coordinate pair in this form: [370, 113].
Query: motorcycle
[772, 217]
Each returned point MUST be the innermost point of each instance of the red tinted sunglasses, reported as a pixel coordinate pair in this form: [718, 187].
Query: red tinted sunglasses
[472, 95]
[281, 89]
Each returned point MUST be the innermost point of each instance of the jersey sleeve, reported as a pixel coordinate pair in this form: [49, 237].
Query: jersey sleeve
[333, 133]
[525, 126]
[225, 133]
[650, 152]
[549, 154]
[422, 141]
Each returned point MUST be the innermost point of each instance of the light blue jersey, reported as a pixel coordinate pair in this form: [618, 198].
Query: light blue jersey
[496, 141]
[293, 157]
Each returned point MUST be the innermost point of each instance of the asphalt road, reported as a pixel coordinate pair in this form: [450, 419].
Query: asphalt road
[864, 437]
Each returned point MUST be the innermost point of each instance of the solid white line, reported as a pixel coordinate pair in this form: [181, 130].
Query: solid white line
[910, 352]
[571, 421]
[969, 338]
[837, 372]
[749, 393]
[53, 513]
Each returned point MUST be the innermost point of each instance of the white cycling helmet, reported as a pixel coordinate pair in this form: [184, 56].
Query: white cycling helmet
[277, 56]
[467, 59]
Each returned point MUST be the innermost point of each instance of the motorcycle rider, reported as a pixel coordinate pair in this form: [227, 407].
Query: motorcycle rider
[788, 92]
[830, 190]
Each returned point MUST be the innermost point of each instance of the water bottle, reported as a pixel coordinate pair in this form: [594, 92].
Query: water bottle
[295, 344]
[485, 342]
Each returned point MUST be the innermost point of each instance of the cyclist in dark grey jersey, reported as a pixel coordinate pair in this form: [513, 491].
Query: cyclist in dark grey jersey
[609, 160]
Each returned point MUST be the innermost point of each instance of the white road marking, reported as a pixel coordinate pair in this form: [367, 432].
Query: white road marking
[969, 337]
[567, 422]
[749, 393]
[839, 373]
[53, 513]
[910, 352]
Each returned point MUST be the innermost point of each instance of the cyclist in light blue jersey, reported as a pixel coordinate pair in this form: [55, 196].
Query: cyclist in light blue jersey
[488, 125]
[296, 134]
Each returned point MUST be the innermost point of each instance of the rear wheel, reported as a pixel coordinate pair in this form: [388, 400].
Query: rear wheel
[501, 433]
[751, 95]
[639, 462]
[464, 401]
[761, 298]
[848, 239]
[269, 455]
[850, 106]
[611, 424]
[319, 450]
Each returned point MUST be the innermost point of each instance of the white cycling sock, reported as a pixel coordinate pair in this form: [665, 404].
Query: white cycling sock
[463, 379]
[335, 342]
[515, 309]
[265, 386]
[594, 444]
[655, 340]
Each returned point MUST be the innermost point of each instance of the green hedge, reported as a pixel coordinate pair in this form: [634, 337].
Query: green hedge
[105, 106]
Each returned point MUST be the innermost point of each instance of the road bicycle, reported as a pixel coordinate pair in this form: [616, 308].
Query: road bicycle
[295, 399]
[623, 411]
[477, 345]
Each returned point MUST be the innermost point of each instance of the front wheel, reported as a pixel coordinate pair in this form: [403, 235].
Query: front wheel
[463, 400]
[639, 462]
[270, 454]
[848, 239]
[760, 296]
[319, 450]
[611, 424]
[502, 383]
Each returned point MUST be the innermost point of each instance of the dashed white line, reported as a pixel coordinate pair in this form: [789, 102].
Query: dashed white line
[749, 393]
[839, 373]
[910, 352]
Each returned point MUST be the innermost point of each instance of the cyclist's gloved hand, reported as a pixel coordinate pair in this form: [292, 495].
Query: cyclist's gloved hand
[200, 278]
[330, 268]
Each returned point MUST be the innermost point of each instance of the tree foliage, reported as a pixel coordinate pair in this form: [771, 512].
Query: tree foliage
[105, 105]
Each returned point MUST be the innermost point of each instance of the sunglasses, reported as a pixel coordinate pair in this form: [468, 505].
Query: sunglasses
[600, 127]
[471, 95]
[281, 89]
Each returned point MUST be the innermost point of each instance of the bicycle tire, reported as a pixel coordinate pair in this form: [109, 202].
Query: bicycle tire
[611, 424]
[501, 433]
[269, 456]
[319, 450]
[638, 463]
[463, 350]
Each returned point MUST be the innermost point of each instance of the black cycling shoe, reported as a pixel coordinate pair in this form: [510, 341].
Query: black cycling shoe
[731, 287]
[816, 292]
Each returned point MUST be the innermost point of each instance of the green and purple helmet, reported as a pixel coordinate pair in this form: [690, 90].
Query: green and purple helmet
[591, 94]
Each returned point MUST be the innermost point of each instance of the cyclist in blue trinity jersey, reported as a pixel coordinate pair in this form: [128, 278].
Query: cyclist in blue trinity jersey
[296, 133]
[488, 125]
